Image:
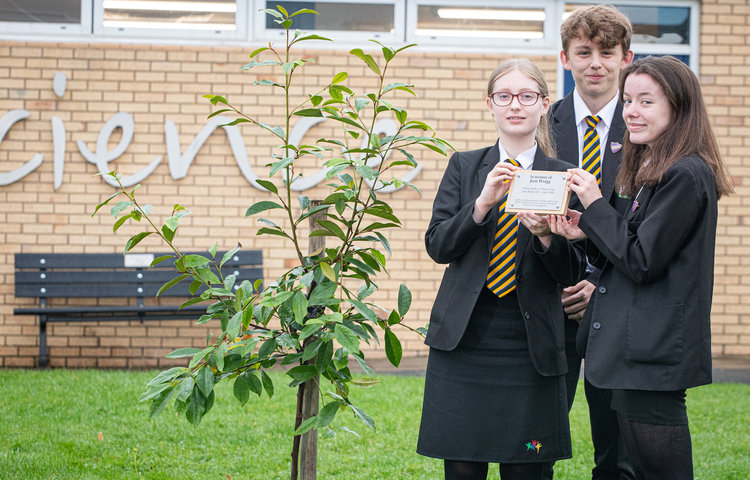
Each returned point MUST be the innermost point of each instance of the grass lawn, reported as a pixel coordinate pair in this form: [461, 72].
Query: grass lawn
[50, 423]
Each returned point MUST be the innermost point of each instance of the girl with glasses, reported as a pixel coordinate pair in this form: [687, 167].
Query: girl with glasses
[494, 387]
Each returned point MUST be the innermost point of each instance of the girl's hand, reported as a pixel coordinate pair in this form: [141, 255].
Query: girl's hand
[496, 185]
[584, 184]
[568, 228]
[537, 225]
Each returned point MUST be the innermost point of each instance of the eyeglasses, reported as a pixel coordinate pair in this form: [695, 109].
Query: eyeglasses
[503, 99]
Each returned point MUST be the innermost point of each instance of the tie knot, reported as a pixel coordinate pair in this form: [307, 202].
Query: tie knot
[593, 120]
[513, 161]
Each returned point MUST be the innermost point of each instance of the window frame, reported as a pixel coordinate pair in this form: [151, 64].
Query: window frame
[262, 34]
[240, 32]
[529, 46]
[42, 28]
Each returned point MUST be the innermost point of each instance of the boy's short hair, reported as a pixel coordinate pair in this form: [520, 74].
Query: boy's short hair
[602, 24]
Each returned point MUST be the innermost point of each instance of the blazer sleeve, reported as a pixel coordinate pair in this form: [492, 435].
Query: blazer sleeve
[642, 247]
[452, 229]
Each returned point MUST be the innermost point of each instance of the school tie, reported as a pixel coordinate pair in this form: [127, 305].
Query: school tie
[591, 161]
[501, 278]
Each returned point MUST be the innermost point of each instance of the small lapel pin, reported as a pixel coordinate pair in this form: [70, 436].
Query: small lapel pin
[615, 146]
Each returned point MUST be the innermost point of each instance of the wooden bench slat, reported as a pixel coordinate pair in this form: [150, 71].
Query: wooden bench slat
[115, 260]
[130, 276]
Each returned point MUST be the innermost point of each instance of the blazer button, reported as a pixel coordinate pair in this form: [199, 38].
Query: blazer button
[519, 278]
[526, 315]
[602, 290]
[596, 325]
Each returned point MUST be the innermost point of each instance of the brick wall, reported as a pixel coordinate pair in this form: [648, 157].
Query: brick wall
[160, 83]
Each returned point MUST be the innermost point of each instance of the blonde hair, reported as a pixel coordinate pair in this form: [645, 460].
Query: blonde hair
[528, 68]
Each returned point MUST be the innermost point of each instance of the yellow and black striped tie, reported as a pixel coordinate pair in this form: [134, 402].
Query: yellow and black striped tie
[501, 278]
[591, 161]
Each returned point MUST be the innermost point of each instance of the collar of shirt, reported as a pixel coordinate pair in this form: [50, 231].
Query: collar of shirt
[606, 114]
[582, 111]
[526, 159]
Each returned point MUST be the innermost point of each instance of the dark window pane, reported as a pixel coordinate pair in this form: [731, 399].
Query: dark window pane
[40, 11]
[367, 17]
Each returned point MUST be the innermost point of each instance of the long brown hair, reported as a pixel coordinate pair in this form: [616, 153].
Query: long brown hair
[689, 132]
[528, 68]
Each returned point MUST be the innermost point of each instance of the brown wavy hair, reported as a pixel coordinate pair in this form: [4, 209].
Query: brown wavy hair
[689, 133]
[528, 68]
[602, 24]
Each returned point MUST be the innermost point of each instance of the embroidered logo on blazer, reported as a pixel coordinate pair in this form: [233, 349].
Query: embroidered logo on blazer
[615, 146]
[534, 445]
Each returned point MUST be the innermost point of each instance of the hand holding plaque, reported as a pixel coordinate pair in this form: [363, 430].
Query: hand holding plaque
[538, 191]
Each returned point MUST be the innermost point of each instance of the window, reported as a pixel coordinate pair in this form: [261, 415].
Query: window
[46, 16]
[446, 22]
[351, 20]
[171, 18]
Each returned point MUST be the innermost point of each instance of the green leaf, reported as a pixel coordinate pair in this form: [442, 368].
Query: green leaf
[233, 329]
[347, 338]
[241, 390]
[322, 293]
[158, 404]
[333, 228]
[192, 301]
[158, 260]
[172, 283]
[329, 272]
[168, 234]
[299, 307]
[106, 202]
[367, 59]
[384, 241]
[267, 383]
[183, 352]
[404, 299]
[261, 206]
[185, 389]
[119, 207]
[339, 77]
[135, 240]
[253, 383]
[364, 310]
[306, 426]
[205, 380]
[309, 112]
[257, 51]
[363, 417]
[229, 255]
[394, 318]
[268, 185]
[302, 373]
[327, 413]
[392, 348]
[267, 348]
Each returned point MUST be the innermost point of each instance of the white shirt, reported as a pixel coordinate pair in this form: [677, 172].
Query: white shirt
[526, 159]
[602, 128]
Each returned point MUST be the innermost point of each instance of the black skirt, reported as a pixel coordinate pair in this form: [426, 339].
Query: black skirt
[485, 402]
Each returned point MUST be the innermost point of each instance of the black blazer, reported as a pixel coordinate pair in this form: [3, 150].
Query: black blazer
[649, 325]
[454, 238]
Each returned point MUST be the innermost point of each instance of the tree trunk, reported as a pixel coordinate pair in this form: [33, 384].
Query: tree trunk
[309, 392]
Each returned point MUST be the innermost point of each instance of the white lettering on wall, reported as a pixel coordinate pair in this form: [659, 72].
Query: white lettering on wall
[179, 162]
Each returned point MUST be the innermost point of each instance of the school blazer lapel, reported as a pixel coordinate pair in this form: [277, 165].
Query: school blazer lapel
[611, 159]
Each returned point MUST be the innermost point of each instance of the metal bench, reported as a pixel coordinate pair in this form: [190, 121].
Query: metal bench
[66, 276]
